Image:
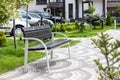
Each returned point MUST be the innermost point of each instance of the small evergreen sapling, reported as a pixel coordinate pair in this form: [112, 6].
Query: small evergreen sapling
[110, 50]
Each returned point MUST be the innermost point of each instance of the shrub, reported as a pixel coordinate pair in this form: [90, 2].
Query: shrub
[63, 21]
[82, 27]
[91, 9]
[118, 11]
[109, 20]
[94, 20]
[2, 39]
[62, 28]
[110, 69]
[77, 24]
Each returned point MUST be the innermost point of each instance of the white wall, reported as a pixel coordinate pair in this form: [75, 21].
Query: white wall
[80, 8]
[66, 8]
[33, 6]
[98, 6]
[96, 3]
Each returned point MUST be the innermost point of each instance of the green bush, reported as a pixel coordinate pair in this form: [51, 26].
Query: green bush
[82, 27]
[94, 20]
[63, 21]
[108, 20]
[77, 24]
[64, 27]
[2, 39]
[91, 9]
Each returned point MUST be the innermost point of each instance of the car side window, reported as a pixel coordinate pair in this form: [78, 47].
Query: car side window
[23, 15]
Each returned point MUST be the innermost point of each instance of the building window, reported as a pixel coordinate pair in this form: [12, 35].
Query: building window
[113, 0]
[70, 11]
[41, 2]
[59, 0]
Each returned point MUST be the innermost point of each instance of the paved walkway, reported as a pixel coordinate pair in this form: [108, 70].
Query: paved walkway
[79, 67]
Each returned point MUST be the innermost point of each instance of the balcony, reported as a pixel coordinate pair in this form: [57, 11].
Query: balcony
[55, 4]
[88, 1]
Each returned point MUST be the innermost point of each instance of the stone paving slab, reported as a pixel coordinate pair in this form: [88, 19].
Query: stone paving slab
[79, 67]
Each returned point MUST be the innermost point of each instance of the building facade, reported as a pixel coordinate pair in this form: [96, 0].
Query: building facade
[69, 9]
[112, 6]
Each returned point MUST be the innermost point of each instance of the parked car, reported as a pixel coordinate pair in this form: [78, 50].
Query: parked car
[31, 20]
[47, 15]
[44, 21]
[8, 28]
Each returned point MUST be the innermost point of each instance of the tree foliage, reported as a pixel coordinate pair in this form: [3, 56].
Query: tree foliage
[118, 11]
[91, 9]
[110, 70]
[8, 8]
[109, 19]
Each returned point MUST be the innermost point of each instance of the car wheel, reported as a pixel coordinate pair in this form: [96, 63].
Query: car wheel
[18, 31]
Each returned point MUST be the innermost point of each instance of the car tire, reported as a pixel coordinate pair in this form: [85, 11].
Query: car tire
[18, 30]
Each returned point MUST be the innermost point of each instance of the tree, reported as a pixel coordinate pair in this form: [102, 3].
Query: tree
[110, 70]
[7, 12]
[118, 11]
[109, 19]
[91, 9]
[10, 11]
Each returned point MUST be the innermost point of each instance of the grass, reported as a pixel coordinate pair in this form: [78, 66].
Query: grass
[11, 58]
[88, 32]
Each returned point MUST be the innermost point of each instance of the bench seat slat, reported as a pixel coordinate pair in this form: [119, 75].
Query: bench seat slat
[50, 45]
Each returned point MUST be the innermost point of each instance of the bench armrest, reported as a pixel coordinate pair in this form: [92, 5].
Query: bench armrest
[36, 39]
[60, 34]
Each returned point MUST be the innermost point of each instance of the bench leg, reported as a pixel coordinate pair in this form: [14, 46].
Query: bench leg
[47, 59]
[69, 49]
[26, 55]
[52, 54]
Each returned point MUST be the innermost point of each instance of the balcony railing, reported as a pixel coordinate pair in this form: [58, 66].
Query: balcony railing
[55, 4]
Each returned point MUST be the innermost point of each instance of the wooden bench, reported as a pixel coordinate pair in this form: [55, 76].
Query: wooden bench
[40, 33]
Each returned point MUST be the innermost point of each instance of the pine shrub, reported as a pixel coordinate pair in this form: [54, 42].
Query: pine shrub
[110, 70]
[109, 20]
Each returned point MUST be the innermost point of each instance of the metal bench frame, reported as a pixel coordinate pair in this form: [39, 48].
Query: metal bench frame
[27, 39]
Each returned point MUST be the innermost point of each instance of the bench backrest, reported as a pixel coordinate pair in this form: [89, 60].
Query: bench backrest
[40, 32]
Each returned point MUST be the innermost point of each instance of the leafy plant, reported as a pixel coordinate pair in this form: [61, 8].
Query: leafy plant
[110, 70]
[94, 20]
[108, 20]
[118, 10]
[76, 24]
[6, 12]
[91, 9]
[62, 28]
[3, 39]
[82, 27]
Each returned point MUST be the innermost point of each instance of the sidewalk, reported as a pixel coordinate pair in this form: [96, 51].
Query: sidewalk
[79, 67]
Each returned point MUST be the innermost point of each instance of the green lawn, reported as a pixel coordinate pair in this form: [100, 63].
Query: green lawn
[88, 32]
[11, 58]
